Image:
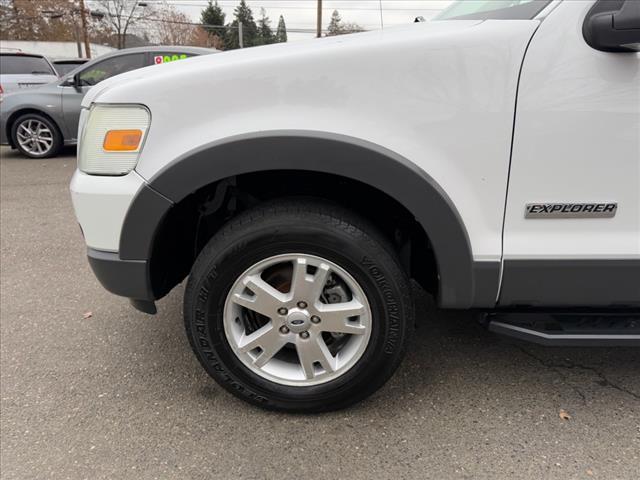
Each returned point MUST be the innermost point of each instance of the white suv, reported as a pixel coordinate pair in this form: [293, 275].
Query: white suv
[493, 155]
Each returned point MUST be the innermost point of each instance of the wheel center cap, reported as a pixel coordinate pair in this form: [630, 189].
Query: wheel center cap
[298, 321]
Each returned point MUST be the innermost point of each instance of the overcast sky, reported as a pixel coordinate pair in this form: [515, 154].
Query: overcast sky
[301, 14]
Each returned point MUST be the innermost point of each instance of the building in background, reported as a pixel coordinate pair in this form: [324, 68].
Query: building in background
[53, 49]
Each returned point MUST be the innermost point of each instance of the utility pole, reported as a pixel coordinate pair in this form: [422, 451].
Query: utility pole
[240, 35]
[319, 32]
[85, 32]
[76, 31]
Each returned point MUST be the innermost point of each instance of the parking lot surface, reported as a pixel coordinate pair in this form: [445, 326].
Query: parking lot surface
[91, 388]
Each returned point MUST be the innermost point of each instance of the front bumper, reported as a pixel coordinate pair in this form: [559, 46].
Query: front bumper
[105, 207]
[127, 278]
[101, 204]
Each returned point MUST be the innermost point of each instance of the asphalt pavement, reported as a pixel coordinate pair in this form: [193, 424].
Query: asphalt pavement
[91, 388]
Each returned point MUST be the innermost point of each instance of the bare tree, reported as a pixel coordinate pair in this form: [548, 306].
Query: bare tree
[41, 20]
[121, 14]
[172, 27]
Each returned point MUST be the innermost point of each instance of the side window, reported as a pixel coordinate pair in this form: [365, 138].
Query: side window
[159, 57]
[110, 67]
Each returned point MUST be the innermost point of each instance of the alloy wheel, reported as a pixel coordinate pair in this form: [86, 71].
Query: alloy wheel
[34, 137]
[297, 319]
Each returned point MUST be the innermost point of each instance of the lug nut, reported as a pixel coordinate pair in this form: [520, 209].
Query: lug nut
[304, 334]
[315, 319]
[284, 329]
[302, 305]
[283, 311]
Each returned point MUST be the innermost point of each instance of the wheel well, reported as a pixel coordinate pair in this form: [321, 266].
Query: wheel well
[189, 224]
[15, 115]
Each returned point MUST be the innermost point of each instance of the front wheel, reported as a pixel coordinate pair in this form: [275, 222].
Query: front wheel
[298, 307]
[36, 136]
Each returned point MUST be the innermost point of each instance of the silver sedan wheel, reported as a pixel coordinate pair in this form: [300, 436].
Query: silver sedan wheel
[34, 137]
[297, 320]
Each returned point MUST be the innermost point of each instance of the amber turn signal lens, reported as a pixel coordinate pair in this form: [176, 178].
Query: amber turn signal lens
[122, 140]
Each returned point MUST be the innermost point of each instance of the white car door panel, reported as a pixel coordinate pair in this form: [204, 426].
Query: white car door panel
[576, 141]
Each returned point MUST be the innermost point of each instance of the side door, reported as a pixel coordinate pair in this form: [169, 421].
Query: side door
[572, 223]
[93, 74]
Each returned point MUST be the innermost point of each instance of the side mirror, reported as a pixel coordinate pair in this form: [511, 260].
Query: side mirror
[613, 30]
[72, 82]
[76, 81]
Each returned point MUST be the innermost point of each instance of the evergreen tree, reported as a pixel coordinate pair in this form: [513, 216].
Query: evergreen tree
[213, 15]
[265, 34]
[335, 25]
[281, 34]
[250, 37]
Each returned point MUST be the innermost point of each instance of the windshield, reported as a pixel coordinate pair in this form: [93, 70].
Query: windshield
[24, 65]
[493, 10]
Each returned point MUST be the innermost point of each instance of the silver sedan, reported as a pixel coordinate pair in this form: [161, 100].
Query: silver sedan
[39, 121]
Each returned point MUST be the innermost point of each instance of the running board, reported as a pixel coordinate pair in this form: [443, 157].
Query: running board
[569, 330]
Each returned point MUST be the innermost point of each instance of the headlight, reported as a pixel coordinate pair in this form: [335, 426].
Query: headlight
[112, 139]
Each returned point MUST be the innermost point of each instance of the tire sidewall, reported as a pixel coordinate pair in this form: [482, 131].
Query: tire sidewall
[222, 262]
[55, 132]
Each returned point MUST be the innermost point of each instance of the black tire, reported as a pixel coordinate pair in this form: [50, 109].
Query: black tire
[314, 228]
[56, 136]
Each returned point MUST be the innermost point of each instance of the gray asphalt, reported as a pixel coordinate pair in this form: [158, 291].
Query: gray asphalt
[119, 395]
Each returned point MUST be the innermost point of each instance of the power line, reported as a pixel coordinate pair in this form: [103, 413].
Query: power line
[295, 7]
[224, 27]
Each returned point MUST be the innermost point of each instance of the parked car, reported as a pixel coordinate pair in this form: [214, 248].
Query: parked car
[65, 65]
[492, 155]
[20, 70]
[39, 122]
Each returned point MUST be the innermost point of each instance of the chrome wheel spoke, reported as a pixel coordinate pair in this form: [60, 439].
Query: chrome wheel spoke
[312, 352]
[336, 317]
[265, 299]
[268, 339]
[305, 286]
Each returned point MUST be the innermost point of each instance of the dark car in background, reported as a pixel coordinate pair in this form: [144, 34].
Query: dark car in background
[40, 121]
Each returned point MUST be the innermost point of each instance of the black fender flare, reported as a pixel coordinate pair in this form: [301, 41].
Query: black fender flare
[463, 282]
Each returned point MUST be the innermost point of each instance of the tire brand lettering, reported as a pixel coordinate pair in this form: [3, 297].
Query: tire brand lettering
[203, 294]
[390, 302]
[207, 353]
[212, 275]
